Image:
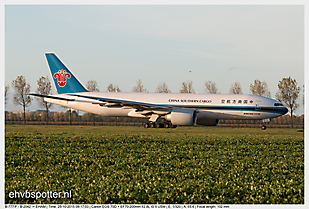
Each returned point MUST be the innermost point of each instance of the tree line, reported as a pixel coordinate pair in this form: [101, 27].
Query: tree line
[56, 117]
[288, 92]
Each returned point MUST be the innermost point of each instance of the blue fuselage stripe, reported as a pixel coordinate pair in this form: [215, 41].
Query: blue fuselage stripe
[278, 110]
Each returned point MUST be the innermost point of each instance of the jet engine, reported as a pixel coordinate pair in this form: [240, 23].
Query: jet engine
[182, 117]
[207, 122]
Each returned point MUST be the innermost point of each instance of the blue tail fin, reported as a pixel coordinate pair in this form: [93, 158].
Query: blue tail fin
[64, 79]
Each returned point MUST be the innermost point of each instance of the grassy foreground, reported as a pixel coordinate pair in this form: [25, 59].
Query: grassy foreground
[136, 165]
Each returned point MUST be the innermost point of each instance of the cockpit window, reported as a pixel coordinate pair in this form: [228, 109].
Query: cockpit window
[278, 104]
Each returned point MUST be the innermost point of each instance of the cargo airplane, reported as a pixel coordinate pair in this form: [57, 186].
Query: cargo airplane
[173, 109]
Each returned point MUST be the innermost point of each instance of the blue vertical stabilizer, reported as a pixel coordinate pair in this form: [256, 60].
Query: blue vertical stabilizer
[64, 79]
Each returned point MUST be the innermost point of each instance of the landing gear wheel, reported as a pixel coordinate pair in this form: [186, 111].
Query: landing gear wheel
[152, 125]
[166, 125]
[157, 125]
[263, 127]
[146, 125]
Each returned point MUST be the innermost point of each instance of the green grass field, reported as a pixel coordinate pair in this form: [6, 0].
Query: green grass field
[136, 165]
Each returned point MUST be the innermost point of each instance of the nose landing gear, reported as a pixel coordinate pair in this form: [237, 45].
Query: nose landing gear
[264, 122]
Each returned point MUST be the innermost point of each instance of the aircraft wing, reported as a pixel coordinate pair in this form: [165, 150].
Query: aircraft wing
[140, 106]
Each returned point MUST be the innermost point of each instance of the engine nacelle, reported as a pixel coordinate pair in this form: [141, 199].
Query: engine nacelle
[207, 122]
[182, 117]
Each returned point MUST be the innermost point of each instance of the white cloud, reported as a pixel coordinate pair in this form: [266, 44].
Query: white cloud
[211, 56]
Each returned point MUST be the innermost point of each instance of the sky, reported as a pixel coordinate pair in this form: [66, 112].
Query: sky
[120, 44]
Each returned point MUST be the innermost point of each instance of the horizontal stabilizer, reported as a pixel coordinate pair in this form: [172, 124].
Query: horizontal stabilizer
[50, 97]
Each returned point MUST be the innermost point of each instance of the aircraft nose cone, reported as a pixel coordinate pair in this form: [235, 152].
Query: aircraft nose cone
[285, 110]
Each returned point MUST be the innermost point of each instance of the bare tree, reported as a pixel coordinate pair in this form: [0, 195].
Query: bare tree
[139, 87]
[162, 88]
[69, 114]
[21, 89]
[259, 88]
[210, 88]
[187, 87]
[288, 92]
[44, 87]
[92, 85]
[113, 88]
[6, 93]
[236, 88]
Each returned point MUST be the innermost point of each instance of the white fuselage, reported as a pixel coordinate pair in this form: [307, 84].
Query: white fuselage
[210, 106]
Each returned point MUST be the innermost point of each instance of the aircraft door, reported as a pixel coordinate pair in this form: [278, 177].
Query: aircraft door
[258, 105]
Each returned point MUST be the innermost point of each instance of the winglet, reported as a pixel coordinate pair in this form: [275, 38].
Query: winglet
[64, 79]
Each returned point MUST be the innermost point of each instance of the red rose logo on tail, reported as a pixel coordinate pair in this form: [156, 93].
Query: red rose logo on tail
[62, 77]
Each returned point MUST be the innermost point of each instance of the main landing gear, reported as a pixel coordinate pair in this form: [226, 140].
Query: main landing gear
[159, 125]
